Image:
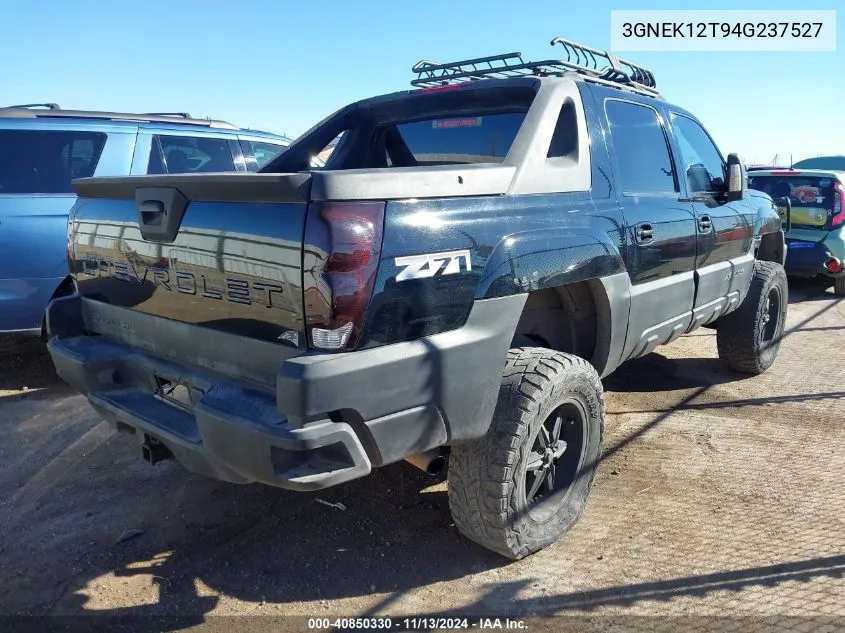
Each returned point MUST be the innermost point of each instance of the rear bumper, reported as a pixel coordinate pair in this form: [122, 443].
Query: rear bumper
[321, 420]
[233, 433]
[22, 304]
[807, 259]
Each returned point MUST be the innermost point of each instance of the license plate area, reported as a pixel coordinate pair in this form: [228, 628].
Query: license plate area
[176, 393]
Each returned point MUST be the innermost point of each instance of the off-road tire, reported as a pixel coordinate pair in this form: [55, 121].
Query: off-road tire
[487, 476]
[839, 286]
[743, 337]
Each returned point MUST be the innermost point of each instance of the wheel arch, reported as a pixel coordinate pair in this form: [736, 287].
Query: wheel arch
[586, 318]
[772, 248]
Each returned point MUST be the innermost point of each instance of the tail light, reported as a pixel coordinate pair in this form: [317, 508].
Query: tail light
[341, 256]
[442, 88]
[838, 216]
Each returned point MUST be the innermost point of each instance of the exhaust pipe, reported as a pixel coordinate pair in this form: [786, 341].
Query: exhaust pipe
[430, 462]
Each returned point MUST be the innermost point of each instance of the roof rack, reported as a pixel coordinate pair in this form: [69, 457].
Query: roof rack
[592, 64]
[182, 115]
[49, 106]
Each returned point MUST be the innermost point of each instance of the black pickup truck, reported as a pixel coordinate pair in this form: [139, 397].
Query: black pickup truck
[477, 253]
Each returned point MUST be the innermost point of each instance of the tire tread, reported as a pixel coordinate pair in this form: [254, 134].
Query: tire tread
[481, 471]
[738, 332]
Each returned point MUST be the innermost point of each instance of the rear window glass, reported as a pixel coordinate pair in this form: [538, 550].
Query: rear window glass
[455, 140]
[470, 124]
[812, 197]
[803, 191]
[35, 161]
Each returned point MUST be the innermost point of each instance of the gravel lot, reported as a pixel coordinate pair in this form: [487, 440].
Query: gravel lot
[717, 495]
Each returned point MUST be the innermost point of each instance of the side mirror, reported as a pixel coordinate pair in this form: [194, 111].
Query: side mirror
[737, 178]
[784, 209]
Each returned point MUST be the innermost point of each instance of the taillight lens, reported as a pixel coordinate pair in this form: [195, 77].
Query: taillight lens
[442, 88]
[340, 260]
[838, 216]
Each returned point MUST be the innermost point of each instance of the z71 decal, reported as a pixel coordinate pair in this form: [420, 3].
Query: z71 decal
[430, 264]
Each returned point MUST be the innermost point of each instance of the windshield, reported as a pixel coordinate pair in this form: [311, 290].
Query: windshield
[812, 197]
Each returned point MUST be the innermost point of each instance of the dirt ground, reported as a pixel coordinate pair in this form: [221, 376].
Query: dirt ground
[717, 495]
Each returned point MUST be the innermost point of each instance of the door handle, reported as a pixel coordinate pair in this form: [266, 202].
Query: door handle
[151, 212]
[160, 211]
[644, 232]
[705, 223]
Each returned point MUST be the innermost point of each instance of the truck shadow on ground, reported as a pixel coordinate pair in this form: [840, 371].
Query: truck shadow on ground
[506, 600]
[656, 372]
[202, 539]
[26, 368]
[257, 543]
[272, 548]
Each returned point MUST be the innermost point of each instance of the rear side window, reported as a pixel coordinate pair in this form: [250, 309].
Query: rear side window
[189, 154]
[326, 153]
[565, 138]
[263, 153]
[641, 148]
[35, 161]
[452, 140]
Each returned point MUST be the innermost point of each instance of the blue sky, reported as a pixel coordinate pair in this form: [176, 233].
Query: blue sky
[282, 66]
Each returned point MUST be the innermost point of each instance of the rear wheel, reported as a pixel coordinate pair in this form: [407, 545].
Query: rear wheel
[526, 482]
[749, 338]
[839, 286]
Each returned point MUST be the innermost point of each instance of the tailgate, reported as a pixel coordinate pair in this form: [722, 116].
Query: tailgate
[221, 251]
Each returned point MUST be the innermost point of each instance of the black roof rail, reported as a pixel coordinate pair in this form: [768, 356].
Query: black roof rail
[16, 112]
[592, 64]
[49, 106]
[183, 115]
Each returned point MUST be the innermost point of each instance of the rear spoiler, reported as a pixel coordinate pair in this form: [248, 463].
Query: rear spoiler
[205, 187]
[396, 183]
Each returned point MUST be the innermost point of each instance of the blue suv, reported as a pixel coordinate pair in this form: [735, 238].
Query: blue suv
[43, 148]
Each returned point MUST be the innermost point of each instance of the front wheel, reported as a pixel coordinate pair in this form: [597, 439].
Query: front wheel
[748, 339]
[525, 483]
